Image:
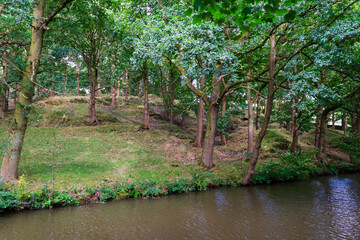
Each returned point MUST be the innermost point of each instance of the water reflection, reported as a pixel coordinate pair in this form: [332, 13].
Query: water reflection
[325, 208]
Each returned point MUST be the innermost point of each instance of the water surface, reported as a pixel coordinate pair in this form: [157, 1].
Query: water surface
[323, 208]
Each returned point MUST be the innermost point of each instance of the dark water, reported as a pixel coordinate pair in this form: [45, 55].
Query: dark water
[323, 208]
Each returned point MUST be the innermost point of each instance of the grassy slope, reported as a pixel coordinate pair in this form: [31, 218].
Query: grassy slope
[76, 155]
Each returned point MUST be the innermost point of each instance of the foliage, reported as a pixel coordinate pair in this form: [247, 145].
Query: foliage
[289, 166]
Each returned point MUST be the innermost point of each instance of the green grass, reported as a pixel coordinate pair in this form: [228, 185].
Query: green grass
[79, 156]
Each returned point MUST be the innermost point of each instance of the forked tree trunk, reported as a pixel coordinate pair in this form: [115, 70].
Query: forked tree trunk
[258, 110]
[268, 110]
[146, 99]
[212, 117]
[200, 116]
[12, 153]
[250, 147]
[223, 108]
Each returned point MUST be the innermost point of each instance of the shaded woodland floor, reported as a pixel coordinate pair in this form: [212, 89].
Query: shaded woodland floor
[60, 146]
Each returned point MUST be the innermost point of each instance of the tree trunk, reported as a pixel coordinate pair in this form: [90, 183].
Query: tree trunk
[113, 97]
[250, 147]
[268, 110]
[322, 136]
[78, 81]
[317, 128]
[172, 98]
[118, 88]
[223, 108]
[93, 84]
[293, 114]
[2, 104]
[295, 139]
[127, 85]
[65, 82]
[355, 124]
[333, 120]
[7, 93]
[140, 89]
[258, 109]
[200, 116]
[212, 116]
[12, 153]
[280, 108]
[98, 88]
[344, 124]
[146, 98]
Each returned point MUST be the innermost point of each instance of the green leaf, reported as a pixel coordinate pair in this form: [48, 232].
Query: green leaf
[290, 16]
[281, 12]
[197, 5]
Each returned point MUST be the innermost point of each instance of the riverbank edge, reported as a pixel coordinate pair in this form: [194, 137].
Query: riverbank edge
[17, 197]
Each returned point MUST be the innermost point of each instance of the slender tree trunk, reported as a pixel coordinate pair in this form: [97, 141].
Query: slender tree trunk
[2, 104]
[127, 85]
[7, 93]
[280, 109]
[78, 81]
[146, 99]
[317, 128]
[322, 136]
[250, 147]
[96, 76]
[333, 120]
[355, 124]
[172, 98]
[223, 108]
[113, 97]
[293, 114]
[200, 116]
[65, 82]
[258, 110]
[140, 89]
[268, 110]
[295, 139]
[118, 88]
[344, 124]
[93, 84]
[12, 153]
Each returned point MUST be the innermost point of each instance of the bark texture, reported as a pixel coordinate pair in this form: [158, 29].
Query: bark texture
[200, 117]
[12, 153]
[212, 115]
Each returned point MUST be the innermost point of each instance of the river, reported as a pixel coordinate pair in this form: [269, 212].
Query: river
[321, 208]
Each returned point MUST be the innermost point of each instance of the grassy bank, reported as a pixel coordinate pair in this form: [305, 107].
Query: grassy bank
[65, 162]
